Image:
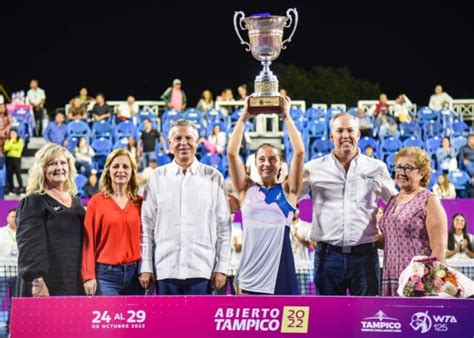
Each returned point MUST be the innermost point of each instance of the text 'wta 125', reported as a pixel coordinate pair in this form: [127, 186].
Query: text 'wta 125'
[130, 319]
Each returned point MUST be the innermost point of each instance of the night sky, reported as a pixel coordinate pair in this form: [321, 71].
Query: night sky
[140, 47]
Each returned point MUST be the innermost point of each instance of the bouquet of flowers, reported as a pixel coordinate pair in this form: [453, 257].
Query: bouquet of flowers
[427, 276]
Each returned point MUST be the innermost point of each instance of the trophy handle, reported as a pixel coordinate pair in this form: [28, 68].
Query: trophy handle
[295, 14]
[242, 27]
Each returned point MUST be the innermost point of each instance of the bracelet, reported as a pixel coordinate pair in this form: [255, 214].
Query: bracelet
[37, 282]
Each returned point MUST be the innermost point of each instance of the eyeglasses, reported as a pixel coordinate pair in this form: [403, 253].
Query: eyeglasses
[407, 169]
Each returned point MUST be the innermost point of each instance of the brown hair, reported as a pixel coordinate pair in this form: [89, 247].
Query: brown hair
[106, 181]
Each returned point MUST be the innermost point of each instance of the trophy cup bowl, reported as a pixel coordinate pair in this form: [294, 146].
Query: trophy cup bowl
[265, 42]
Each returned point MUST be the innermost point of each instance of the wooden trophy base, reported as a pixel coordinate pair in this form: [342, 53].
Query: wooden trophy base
[265, 105]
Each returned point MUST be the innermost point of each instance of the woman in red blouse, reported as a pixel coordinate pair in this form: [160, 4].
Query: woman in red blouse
[111, 247]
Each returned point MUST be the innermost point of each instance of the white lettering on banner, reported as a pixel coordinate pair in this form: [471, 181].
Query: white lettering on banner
[380, 322]
[423, 322]
[247, 319]
[105, 320]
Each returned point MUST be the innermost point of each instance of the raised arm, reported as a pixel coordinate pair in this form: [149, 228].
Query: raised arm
[437, 227]
[295, 177]
[236, 166]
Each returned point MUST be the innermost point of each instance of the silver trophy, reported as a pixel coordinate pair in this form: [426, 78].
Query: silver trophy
[266, 42]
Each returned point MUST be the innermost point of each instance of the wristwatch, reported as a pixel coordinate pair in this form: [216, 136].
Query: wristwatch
[37, 282]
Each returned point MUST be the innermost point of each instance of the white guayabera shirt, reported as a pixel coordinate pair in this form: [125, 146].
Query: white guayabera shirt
[186, 223]
[345, 204]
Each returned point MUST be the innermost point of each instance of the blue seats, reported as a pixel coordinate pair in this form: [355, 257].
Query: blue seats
[322, 145]
[352, 111]
[193, 115]
[413, 141]
[425, 114]
[141, 126]
[314, 114]
[102, 147]
[390, 161]
[316, 128]
[72, 143]
[170, 115]
[78, 128]
[368, 141]
[458, 142]
[214, 115]
[213, 160]
[146, 114]
[102, 129]
[431, 129]
[408, 129]
[81, 181]
[126, 129]
[234, 117]
[460, 179]
[433, 144]
[121, 143]
[391, 145]
[162, 159]
[459, 128]
[434, 177]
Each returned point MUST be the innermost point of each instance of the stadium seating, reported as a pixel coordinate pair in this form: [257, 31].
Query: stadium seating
[77, 128]
[408, 129]
[102, 129]
[390, 145]
[459, 128]
[413, 141]
[322, 145]
[162, 159]
[432, 144]
[81, 181]
[431, 129]
[425, 114]
[126, 129]
[458, 142]
[460, 180]
[193, 115]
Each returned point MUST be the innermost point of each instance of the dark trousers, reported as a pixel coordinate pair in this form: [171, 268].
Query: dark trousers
[14, 168]
[337, 273]
[38, 113]
[190, 286]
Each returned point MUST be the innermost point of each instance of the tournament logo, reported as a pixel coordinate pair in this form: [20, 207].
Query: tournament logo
[380, 322]
[420, 321]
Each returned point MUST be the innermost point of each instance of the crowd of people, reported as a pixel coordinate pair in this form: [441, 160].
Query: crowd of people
[175, 235]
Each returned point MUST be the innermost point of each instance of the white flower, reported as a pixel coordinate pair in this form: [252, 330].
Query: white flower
[440, 273]
[418, 269]
[449, 288]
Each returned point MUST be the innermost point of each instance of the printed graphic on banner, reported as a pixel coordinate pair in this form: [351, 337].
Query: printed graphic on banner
[380, 322]
[105, 320]
[247, 319]
[295, 319]
[422, 322]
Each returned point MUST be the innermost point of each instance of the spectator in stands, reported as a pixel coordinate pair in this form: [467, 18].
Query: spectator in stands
[446, 155]
[111, 249]
[369, 152]
[226, 96]
[36, 98]
[5, 124]
[346, 256]
[267, 264]
[101, 110]
[206, 102]
[387, 127]
[132, 148]
[440, 99]
[128, 109]
[50, 226]
[147, 143]
[92, 186]
[382, 108]
[8, 245]
[84, 97]
[444, 189]
[77, 110]
[84, 155]
[466, 155]
[242, 91]
[216, 142]
[401, 108]
[56, 131]
[301, 245]
[187, 236]
[175, 97]
[366, 126]
[460, 242]
[144, 176]
[13, 148]
[414, 222]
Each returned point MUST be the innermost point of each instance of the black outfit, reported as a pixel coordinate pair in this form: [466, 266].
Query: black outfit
[49, 237]
[101, 110]
[14, 168]
[149, 140]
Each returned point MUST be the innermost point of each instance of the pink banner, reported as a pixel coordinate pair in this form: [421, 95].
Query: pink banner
[240, 316]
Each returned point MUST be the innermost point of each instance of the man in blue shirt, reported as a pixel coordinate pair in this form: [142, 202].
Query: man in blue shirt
[56, 131]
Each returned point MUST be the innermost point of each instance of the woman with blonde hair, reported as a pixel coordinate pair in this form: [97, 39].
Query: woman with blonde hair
[414, 222]
[50, 226]
[444, 189]
[111, 249]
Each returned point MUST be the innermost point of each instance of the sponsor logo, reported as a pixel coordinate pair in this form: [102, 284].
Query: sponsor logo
[380, 322]
[423, 322]
[292, 319]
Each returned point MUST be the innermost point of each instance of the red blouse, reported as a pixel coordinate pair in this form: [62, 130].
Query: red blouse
[111, 236]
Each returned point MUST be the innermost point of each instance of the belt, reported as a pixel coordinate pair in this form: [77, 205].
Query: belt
[356, 249]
